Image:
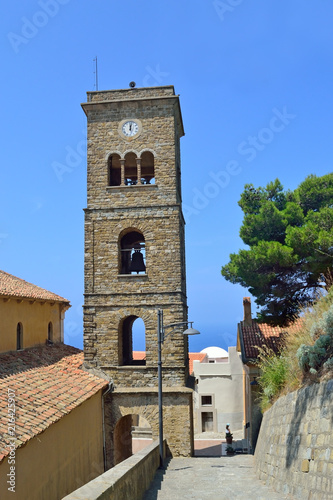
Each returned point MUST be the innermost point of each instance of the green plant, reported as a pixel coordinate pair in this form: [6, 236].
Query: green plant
[306, 356]
[273, 373]
[328, 364]
[290, 240]
[312, 358]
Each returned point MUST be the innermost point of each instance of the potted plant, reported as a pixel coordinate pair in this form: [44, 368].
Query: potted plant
[230, 450]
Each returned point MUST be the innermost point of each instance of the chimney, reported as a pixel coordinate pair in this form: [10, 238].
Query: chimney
[247, 311]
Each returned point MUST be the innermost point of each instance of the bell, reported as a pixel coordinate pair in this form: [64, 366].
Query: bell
[137, 263]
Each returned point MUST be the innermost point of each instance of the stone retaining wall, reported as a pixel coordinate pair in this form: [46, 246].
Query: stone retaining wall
[294, 452]
[130, 479]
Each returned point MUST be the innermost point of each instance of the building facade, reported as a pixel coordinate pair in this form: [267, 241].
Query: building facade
[47, 402]
[219, 391]
[30, 315]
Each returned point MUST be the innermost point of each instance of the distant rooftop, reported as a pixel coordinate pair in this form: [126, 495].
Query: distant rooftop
[139, 355]
[195, 356]
[254, 335]
[11, 286]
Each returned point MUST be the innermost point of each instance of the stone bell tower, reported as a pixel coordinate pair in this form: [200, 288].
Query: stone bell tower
[135, 257]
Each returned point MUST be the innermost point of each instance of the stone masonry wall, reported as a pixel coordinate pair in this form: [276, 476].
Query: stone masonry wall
[130, 479]
[294, 452]
[130, 93]
[152, 210]
[177, 416]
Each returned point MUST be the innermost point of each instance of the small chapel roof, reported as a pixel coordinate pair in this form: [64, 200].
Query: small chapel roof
[11, 286]
[46, 383]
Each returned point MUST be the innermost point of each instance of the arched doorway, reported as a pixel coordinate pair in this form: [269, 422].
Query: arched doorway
[132, 433]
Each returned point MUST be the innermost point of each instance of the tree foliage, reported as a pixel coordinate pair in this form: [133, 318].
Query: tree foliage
[290, 239]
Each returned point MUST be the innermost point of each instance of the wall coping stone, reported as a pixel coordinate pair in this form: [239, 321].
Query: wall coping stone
[147, 390]
[112, 483]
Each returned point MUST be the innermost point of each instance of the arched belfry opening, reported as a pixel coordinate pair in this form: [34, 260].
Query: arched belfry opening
[131, 172]
[132, 253]
[147, 168]
[131, 335]
[114, 170]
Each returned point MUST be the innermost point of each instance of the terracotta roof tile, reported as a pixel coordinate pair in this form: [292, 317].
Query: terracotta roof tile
[11, 286]
[48, 382]
[195, 356]
[139, 355]
[261, 334]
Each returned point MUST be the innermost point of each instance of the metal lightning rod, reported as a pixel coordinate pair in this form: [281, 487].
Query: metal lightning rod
[96, 74]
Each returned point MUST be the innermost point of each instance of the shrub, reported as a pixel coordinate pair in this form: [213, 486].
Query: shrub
[307, 354]
[312, 357]
[273, 373]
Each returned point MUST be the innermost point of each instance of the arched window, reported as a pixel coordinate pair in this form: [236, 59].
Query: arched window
[132, 249]
[19, 336]
[131, 173]
[50, 332]
[114, 170]
[147, 168]
[132, 340]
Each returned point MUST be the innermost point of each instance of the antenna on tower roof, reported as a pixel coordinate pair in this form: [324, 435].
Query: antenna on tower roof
[96, 74]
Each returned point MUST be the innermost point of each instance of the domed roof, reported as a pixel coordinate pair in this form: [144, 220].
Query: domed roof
[215, 352]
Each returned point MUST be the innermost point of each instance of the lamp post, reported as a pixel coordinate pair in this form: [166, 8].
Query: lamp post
[160, 339]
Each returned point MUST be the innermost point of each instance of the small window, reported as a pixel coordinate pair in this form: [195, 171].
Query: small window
[211, 361]
[50, 332]
[19, 337]
[206, 400]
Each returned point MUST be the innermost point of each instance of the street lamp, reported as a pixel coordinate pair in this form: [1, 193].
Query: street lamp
[160, 338]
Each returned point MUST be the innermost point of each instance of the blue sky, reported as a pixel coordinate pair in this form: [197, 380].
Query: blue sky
[255, 83]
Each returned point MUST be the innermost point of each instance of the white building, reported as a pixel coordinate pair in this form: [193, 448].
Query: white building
[218, 396]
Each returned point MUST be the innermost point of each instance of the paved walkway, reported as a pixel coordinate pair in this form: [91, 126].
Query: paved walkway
[223, 478]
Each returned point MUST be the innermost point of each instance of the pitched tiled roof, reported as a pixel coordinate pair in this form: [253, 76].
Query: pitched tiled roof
[195, 356]
[254, 334]
[11, 286]
[48, 383]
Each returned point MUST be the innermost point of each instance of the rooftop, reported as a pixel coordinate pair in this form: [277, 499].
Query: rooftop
[48, 383]
[195, 356]
[254, 335]
[11, 286]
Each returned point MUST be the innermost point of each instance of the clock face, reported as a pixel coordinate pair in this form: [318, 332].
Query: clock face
[130, 128]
